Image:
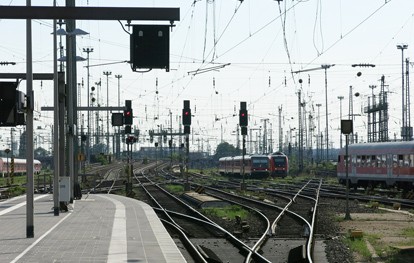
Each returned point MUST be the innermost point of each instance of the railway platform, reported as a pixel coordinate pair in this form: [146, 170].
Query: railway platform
[97, 228]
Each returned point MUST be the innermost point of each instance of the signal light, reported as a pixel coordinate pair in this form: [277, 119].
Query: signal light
[186, 114]
[128, 117]
[186, 117]
[128, 113]
[243, 116]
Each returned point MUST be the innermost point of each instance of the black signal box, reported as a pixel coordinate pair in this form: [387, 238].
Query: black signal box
[150, 47]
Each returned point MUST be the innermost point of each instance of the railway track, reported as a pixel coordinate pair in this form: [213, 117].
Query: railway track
[212, 241]
[292, 223]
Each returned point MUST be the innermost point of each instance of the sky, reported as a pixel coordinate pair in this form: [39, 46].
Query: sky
[259, 45]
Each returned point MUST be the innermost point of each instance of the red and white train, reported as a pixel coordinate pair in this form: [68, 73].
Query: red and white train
[384, 164]
[255, 165]
[19, 166]
[279, 164]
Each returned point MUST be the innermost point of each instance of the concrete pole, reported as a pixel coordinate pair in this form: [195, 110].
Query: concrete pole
[29, 131]
[71, 98]
[55, 124]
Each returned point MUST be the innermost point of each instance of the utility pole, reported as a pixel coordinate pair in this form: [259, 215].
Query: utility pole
[107, 74]
[118, 135]
[280, 129]
[340, 117]
[237, 137]
[98, 128]
[264, 145]
[318, 146]
[300, 148]
[325, 67]
[88, 50]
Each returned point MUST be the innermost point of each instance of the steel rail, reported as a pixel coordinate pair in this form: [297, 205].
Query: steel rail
[187, 242]
[241, 244]
[309, 246]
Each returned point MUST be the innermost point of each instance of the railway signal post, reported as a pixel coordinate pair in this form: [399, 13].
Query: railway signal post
[243, 122]
[347, 128]
[187, 123]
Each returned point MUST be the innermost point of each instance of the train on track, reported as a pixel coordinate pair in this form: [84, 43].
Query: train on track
[19, 166]
[275, 165]
[279, 164]
[385, 164]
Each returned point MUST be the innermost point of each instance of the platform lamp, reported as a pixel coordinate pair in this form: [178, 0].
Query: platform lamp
[346, 129]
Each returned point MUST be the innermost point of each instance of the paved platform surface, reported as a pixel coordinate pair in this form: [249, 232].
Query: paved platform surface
[98, 228]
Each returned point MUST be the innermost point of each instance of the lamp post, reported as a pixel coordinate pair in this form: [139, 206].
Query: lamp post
[7, 151]
[318, 146]
[118, 141]
[88, 153]
[404, 135]
[107, 74]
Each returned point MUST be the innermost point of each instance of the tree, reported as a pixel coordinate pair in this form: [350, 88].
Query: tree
[40, 152]
[22, 145]
[225, 149]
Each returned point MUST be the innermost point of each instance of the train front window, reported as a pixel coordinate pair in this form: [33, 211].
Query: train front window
[262, 162]
[279, 162]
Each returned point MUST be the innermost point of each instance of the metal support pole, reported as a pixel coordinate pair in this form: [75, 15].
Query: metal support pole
[326, 111]
[55, 124]
[29, 131]
[171, 138]
[347, 213]
[118, 141]
[340, 117]
[187, 159]
[107, 73]
[88, 143]
[243, 186]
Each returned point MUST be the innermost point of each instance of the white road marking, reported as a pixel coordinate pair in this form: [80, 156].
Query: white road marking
[118, 250]
[12, 208]
[39, 239]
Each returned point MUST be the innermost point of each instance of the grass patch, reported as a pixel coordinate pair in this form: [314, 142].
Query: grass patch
[230, 211]
[338, 218]
[17, 190]
[175, 188]
[13, 180]
[359, 246]
[408, 232]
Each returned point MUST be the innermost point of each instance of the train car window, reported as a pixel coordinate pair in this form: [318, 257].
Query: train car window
[406, 160]
[411, 160]
[401, 160]
[384, 161]
[358, 161]
[394, 160]
[374, 161]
